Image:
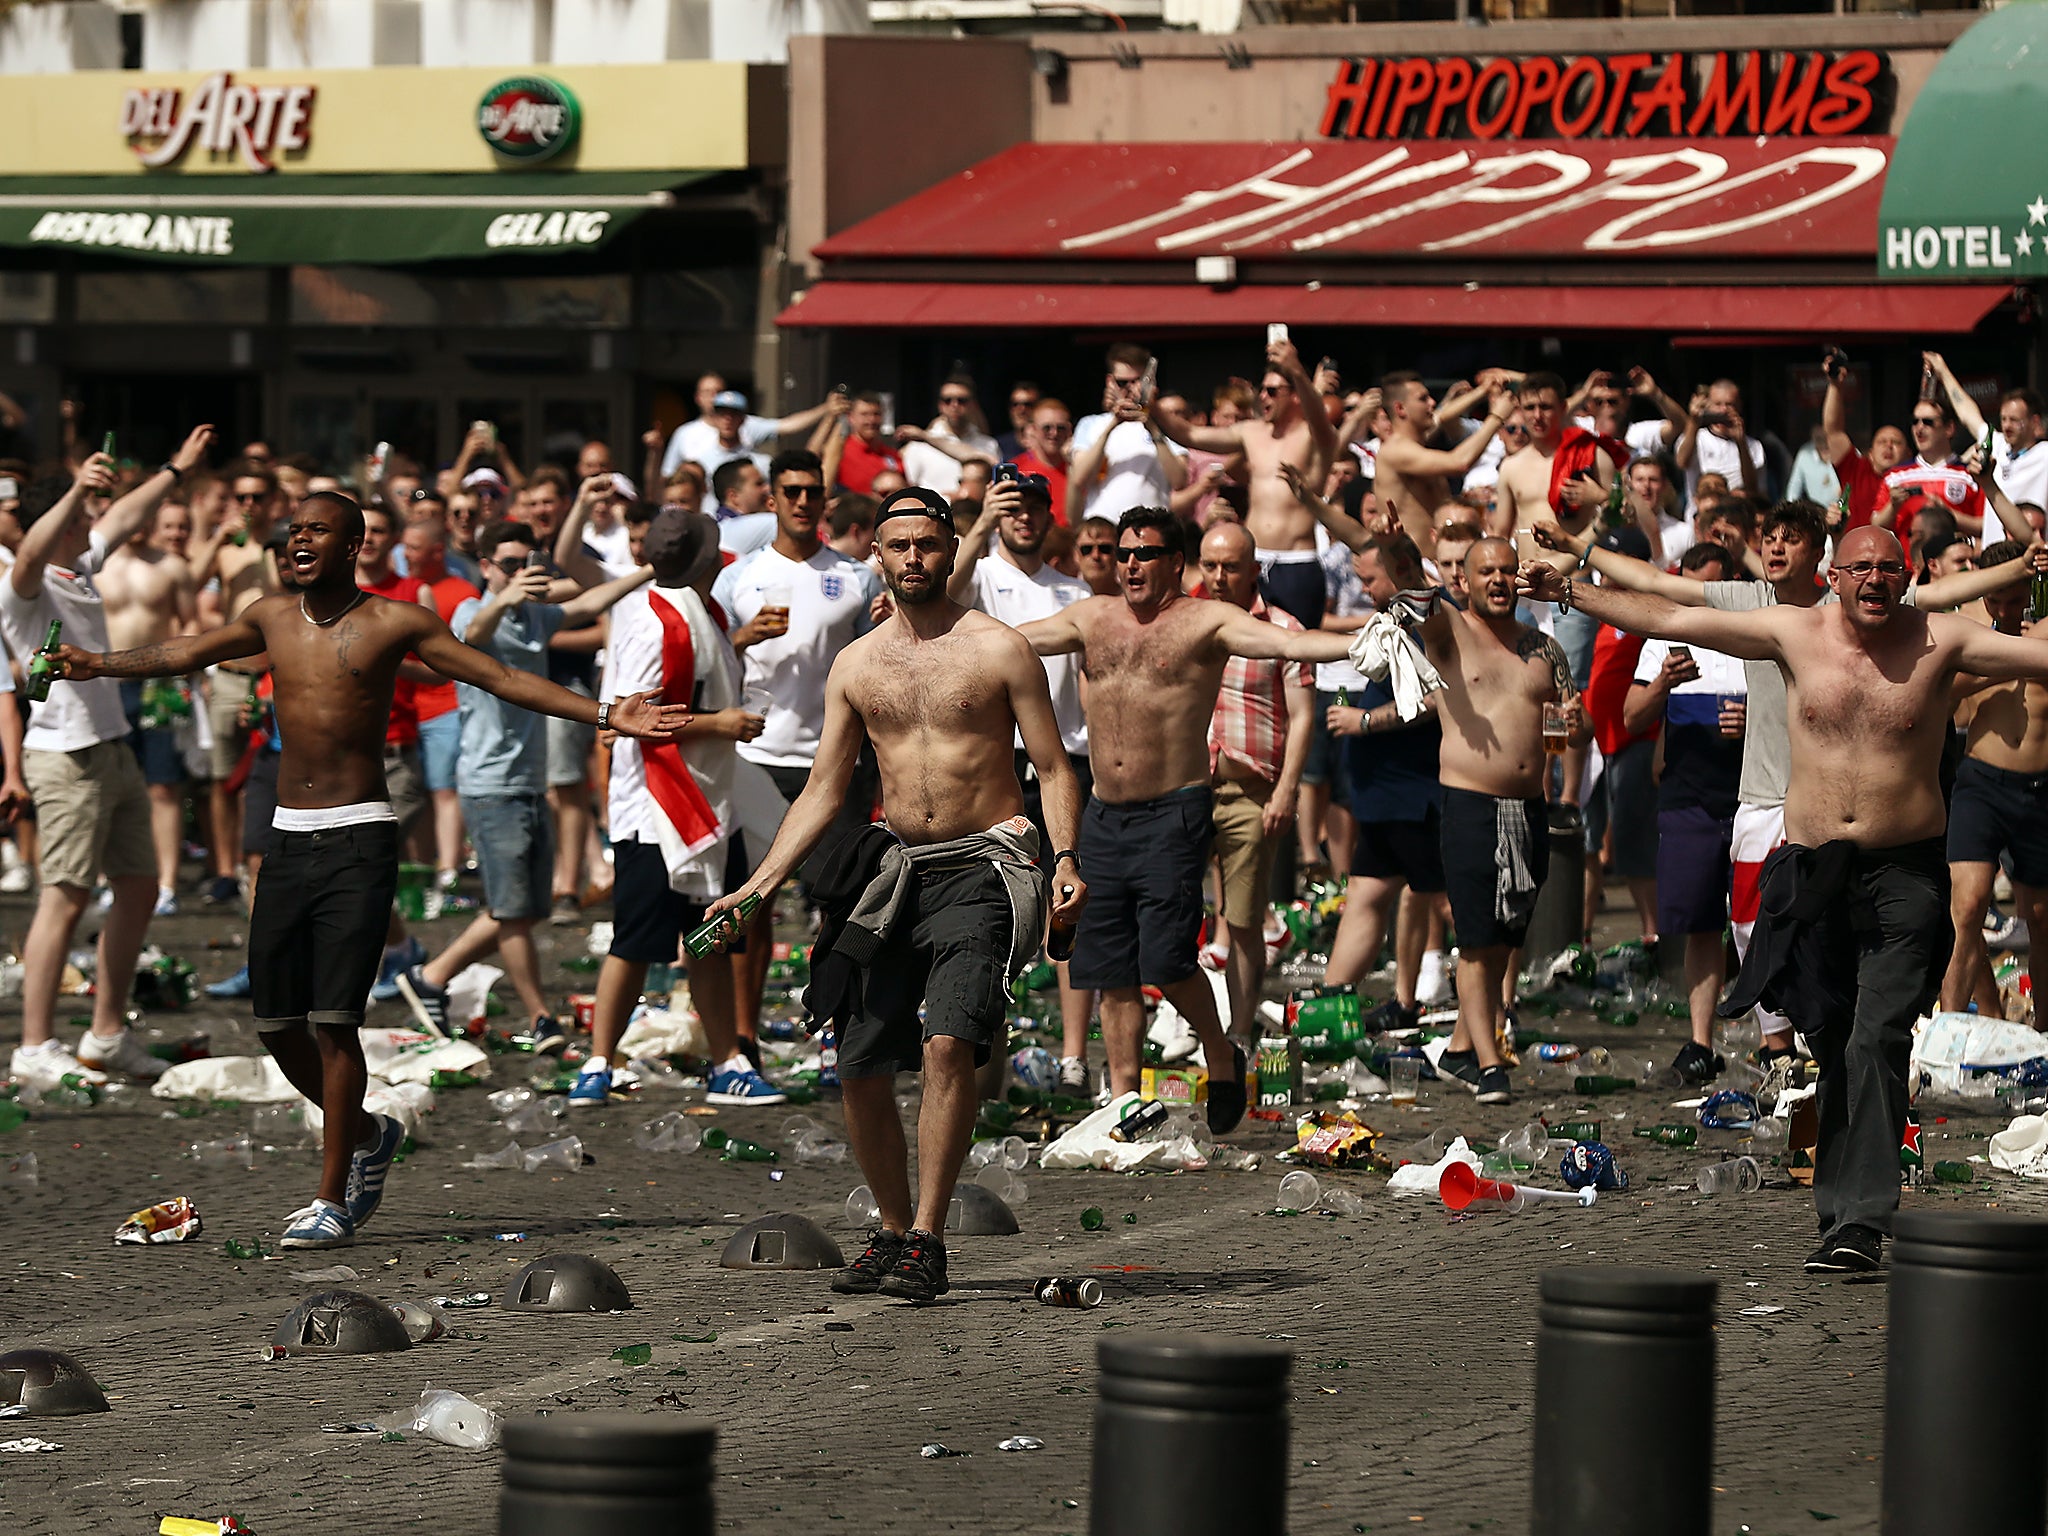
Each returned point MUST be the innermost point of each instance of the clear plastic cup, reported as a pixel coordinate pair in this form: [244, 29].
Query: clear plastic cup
[861, 1207]
[505, 1100]
[1298, 1191]
[565, 1156]
[1737, 1176]
[234, 1152]
[819, 1147]
[1404, 1078]
[796, 1127]
[1345, 1202]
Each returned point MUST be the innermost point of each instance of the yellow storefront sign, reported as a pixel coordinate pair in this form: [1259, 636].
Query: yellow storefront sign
[689, 114]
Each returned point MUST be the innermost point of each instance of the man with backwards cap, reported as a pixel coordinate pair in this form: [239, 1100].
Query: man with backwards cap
[948, 900]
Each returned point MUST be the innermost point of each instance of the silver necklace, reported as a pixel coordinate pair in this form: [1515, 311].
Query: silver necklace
[307, 615]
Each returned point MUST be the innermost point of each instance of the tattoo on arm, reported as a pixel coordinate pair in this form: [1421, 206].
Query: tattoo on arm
[143, 661]
[1535, 643]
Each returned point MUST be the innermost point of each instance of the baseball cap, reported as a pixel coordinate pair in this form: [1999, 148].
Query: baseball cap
[914, 501]
[675, 540]
[728, 400]
[485, 480]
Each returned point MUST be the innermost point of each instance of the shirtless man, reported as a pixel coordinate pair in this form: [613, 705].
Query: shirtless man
[318, 915]
[1410, 474]
[2000, 805]
[1154, 660]
[1296, 431]
[1498, 675]
[1854, 933]
[939, 690]
[151, 596]
[235, 553]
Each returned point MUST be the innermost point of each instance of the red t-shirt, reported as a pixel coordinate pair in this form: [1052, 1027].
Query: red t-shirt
[1868, 494]
[859, 463]
[433, 700]
[1055, 481]
[1614, 668]
[404, 729]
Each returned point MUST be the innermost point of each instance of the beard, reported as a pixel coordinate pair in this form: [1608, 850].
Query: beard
[1021, 546]
[932, 591]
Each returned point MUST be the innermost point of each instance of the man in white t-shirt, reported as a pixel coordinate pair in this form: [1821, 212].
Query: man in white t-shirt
[794, 605]
[933, 456]
[1606, 411]
[92, 806]
[2017, 449]
[1120, 459]
[1010, 580]
[1724, 448]
[724, 429]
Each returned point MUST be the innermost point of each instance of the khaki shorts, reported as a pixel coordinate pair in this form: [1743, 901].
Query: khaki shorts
[92, 814]
[226, 695]
[1243, 849]
[405, 784]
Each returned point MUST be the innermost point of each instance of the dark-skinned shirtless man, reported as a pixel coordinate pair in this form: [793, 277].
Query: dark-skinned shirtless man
[1853, 933]
[1154, 661]
[942, 691]
[322, 902]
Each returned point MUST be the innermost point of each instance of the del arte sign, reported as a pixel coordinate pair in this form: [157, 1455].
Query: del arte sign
[528, 117]
[256, 122]
[1620, 95]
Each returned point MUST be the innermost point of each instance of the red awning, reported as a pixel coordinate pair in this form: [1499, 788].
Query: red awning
[1778, 312]
[1782, 198]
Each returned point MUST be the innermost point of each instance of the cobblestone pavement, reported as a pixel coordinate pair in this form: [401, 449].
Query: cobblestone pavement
[1413, 1332]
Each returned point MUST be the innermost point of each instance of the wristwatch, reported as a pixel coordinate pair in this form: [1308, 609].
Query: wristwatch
[604, 716]
[1067, 853]
[170, 467]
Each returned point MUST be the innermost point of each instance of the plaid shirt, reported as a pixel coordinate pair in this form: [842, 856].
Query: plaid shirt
[1250, 723]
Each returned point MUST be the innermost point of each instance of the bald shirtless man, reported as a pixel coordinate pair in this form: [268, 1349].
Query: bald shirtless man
[1498, 674]
[1854, 932]
[316, 926]
[941, 690]
[151, 596]
[1154, 659]
[1410, 474]
[1296, 431]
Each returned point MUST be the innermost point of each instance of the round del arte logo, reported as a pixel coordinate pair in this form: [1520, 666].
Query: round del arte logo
[527, 117]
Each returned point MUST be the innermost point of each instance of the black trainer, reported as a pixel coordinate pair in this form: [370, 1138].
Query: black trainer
[1493, 1087]
[863, 1277]
[1391, 1015]
[1851, 1251]
[1227, 1100]
[919, 1273]
[1697, 1065]
[1460, 1067]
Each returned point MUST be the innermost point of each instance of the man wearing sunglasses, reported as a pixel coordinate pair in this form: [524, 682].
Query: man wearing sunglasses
[933, 455]
[1154, 659]
[1854, 932]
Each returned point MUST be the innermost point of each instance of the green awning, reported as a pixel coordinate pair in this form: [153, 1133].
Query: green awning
[1965, 196]
[282, 220]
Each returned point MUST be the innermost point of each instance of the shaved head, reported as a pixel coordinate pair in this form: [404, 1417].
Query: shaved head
[1481, 548]
[1869, 542]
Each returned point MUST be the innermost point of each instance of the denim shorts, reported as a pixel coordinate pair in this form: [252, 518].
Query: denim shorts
[440, 749]
[514, 838]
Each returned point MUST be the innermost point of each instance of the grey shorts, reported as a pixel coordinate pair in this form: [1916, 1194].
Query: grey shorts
[514, 838]
[405, 786]
[569, 744]
[1625, 796]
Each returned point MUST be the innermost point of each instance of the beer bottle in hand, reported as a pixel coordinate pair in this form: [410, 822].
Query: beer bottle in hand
[42, 667]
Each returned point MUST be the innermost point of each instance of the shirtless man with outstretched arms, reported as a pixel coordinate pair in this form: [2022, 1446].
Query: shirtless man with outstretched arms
[1414, 476]
[318, 917]
[1154, 659]
[1296, 431]
[942, 691]
[1854, 930]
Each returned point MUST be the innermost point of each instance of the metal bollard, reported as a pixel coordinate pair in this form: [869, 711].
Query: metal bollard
[1178, 1419]
[625, 1474]
[1559, 918]
[1962, 1454]
[1633, 1350]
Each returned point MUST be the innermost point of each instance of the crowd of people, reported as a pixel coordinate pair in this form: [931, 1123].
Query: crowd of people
[1111, 685]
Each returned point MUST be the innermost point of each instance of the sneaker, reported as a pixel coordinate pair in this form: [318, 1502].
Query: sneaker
[411, 952]
[1460, 1067]
[750, 1048]
[220, 890]
[1213, 956]
[565, 911]
[593, 1088]
[1780, 1069]
[166, 903]
[429, 1003]
[741, 1084]
[863, 1277]
[1697, 1065]
[367, 1168]
[919, 1273]
[46, 1066]
[1073, 1077]
[1999, 929]
[1851, 1251]
[323, 1224]
[1174, 1036]
[123, 1054]
[1391, 1015]
[1227, 1100]
[548, 1034]
[1493, 1086]
[235, 986]
[15, 875]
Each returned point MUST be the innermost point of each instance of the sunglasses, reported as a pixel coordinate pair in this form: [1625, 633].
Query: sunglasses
[801, 492]
[1275, 389]
[1144, 554]
[250, 498]
[1054, 429]
[1095, 549]
[510, 567]
[1926, 421]
[955, 399]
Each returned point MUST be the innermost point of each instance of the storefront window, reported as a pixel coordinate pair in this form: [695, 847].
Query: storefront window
[411, 425]
[507, 415]
[373, 296]
[227, 297]
[710, 299]
[28, 298]
[325, 427]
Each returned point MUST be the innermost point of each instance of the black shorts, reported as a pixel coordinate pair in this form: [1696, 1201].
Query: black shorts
[1144, 862]
[317, 923]
[1402, 850]
[950, 957]
[1477, 847]
[854, 813]
[1996, 810]
[1034, 800]
[259, 803]
[649, 917]
[1294, 586]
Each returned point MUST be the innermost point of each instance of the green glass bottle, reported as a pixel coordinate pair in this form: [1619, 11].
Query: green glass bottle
[1092, 1219]
[1670, 1135]
[739, 1150]
[1579, 1130]
[42, 667]
[703, 939]
[1954, 1173]
[1593, 1084]
[715, 1138]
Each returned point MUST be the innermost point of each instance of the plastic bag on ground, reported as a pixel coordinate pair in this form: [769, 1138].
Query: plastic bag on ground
[467, 991]
[1087, 1144]
[663, 1032]
[1414, 1179]
[448, 1417]
[381, 1047]
[1947, 1047]
[249, 1079]
[407, 1103]
[421, 1063]
[2022, 1147]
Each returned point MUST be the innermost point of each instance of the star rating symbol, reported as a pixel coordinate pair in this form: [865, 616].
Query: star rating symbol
[2037, 211]
[2023, 243]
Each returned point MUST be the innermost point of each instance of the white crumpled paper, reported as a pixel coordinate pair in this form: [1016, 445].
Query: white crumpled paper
[2022, 1147]
[247, 1079]
[663, 1032]
[1088, 1144]
[1414, 1179]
